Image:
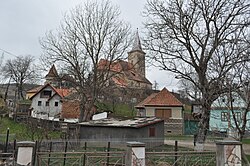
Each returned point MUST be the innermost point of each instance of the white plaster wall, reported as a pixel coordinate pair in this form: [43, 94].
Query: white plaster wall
[176, 112]
[150, 111]
[53, 110]
[50, 110]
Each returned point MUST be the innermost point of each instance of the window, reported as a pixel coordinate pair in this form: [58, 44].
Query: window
[39, 103]
[46, 94]
[224, 116]
[152, 132]
[47, 103]
[238, 116]
[56, 104]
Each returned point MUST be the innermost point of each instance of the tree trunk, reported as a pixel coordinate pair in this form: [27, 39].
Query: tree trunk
[7, 90]
[88, 113]
[203, 128]
[82, 109]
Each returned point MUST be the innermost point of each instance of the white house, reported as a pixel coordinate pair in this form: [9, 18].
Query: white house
[46, 103]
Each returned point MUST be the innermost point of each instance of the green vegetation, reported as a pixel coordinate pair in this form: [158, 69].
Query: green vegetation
[14, 128]
[187, 109]
[20, 131]
[248, 157]
[179, 137]
[118, 110]
[25, 101]
[246, 141]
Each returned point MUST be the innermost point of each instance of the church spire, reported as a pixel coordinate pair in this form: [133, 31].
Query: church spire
[52, 72]
[136, 56]
[137, 42]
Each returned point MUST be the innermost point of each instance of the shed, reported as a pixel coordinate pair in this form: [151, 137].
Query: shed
[149, 130]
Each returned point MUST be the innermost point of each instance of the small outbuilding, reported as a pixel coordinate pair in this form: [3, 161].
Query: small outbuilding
[149, 130]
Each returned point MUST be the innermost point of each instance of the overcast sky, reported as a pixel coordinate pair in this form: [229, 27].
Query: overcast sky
[23, 22]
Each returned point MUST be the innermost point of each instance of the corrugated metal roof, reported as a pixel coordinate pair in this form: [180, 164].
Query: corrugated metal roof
[135, 122]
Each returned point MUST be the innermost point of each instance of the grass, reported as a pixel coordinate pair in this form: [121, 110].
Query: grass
[246, 141]
[15, 129]
[118, 110]
[179, 137]
[21, 132]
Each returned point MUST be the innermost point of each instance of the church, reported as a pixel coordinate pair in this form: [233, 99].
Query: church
[131, 73]
[129, 77]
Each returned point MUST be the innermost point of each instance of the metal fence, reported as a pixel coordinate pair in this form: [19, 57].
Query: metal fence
[181, 158]
[115, 158]
[89, 153]
[81, 158]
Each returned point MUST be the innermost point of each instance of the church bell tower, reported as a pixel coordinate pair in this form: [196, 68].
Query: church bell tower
[136, 56]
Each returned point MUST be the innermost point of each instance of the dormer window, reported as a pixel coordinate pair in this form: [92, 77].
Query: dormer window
[46, 94]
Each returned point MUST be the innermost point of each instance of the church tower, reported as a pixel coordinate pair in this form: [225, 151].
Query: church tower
[52, 76]
[136, 56]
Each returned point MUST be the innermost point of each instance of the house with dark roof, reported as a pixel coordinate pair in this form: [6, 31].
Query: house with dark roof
[166, 106]
[47, 102]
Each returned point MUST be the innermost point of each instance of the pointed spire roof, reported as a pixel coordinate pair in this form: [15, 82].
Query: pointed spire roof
[52, 72]
[137, 42]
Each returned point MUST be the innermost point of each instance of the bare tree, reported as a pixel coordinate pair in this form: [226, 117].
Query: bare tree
[88, 33]
[238, 97]
[236, 103]
[20, 70]
[200, 41]
[1, 60]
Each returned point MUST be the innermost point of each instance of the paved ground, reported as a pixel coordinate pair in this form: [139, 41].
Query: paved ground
[211, 146]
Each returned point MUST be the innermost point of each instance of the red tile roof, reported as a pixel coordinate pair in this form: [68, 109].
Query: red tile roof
[120, 82]
[63, 92]
[162, 98]
[116, 66]
[142, 104]
[123, 67]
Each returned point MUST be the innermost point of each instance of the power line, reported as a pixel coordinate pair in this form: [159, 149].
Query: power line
[8, 52]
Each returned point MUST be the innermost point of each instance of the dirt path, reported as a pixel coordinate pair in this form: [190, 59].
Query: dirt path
[210, 146]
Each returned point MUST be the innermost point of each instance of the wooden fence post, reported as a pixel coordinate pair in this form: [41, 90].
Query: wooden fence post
[176, 149]
[65, 151]
[50, 149]
[84, 157]
[7, 141]
[108, 150]
[35, 150]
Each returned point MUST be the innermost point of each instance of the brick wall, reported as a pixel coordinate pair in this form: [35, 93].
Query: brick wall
[70, 109]
[173, 126]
